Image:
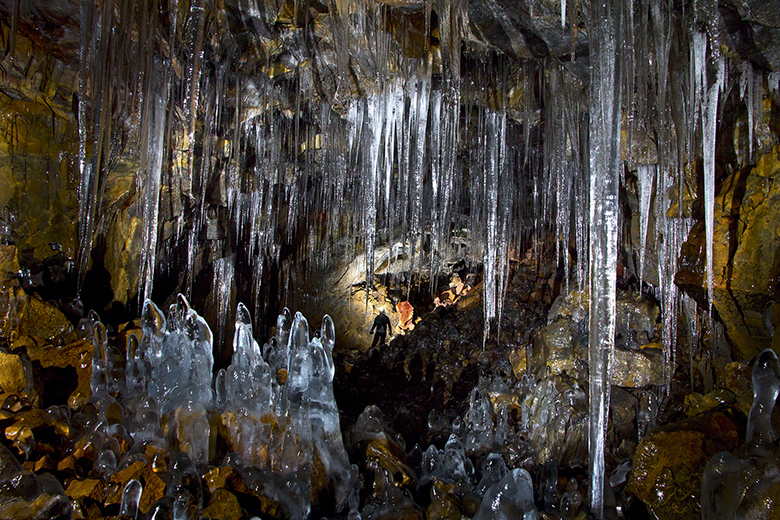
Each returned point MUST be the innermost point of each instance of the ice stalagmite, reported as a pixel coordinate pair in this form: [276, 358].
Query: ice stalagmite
[761, 437]
[299, 371]
[604, 213]
[324, 414]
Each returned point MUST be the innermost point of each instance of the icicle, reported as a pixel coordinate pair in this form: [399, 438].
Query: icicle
[646, 174]
[689, 306]
[563, 14]
[222, 289]
[773, 82]
[604, 216]
[495, 134]
[710, 128]
[152, 177]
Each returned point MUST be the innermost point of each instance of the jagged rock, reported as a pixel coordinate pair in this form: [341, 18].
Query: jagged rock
[641, 148]
[405, 314]
[223, 505]
[153, 487]
[22, 314]
[638, 368]
[34, 421]
[9, 262]
[623, 407]
[225, 477]
[519, 361]
[88, 488]
[669, 462]
[123, 253]
[746, 255]
[12, 377]
[738, 380]
[388, 454]
[696, 403]
[753, 29]
[74, 356]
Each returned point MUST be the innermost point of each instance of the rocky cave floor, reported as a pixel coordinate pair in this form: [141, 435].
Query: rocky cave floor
[521, 395]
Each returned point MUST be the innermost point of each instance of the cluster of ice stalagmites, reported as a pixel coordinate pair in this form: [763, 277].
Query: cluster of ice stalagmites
[273, 407]
[749, 487]
[292, 425]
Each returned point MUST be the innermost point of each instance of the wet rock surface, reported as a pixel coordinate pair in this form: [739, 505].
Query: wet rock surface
[746, 261]
[669, 462]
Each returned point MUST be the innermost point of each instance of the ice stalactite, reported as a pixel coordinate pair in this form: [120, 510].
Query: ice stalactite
[707, 57]
[96, 94]
[496, 208]
[710, 117]
[152, 166]
[646, 175]
[563, 13]
[221, 291]
[604, 213]
[563, 158]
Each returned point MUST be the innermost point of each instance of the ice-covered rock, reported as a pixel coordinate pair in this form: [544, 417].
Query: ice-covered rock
[748, 487]
[558, 421]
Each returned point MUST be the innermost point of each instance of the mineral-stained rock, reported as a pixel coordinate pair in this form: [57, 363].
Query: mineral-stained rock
[223, 505]
[45, 463]
[638, 368]
[78, 356]
[34, 420]
[153, 486]
[738, 380]
[9, 262]
[746, 255]
[389, 455]
[123, 239]
[696, 403]
[22, 314]
[405, 314]
[445, 504]
[12, 376]
[670, 461]
[88, 488]
[517, 357]
[562, 346]
[225, 477]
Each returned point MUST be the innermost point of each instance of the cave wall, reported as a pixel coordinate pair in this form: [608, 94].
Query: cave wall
[228, 63]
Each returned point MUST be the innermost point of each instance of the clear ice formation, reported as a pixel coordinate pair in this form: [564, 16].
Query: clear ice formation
[510, 499]
[131, 496]
[761, 436]
[605, 114]
[24, 494]
[734, 488]
[275, 402]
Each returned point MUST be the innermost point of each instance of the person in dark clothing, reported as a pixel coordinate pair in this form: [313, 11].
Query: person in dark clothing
[381, 324]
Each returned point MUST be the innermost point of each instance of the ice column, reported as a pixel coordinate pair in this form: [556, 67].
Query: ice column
[604, 184]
